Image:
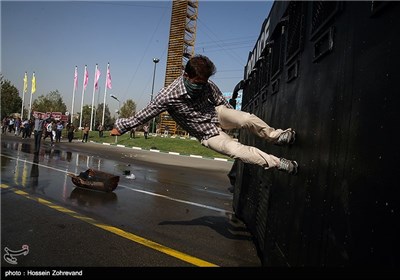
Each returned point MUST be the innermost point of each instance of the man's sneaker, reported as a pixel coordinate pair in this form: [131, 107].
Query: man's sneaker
[286, 137]
[289, 166]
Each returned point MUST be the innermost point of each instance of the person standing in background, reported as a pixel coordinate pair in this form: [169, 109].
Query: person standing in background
[37, 130]
[132, 133]
[100, 128]
[166, 131]
[86, 129]
[70, 131]
[146, 131]
[59, 129]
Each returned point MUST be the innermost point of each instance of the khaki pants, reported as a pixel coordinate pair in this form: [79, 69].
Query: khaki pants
[225, 144]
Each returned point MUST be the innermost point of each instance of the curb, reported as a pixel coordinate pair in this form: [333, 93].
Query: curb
[158, 151]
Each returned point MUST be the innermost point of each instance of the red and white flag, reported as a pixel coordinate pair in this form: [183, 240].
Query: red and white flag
[108, 81]
[76, 78]
[96, 78]
[85, 78]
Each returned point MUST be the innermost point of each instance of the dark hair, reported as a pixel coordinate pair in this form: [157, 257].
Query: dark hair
[200, 66]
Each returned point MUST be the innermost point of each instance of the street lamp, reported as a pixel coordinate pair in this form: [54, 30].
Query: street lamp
[119, 108]
[155, 60]
[119, 103]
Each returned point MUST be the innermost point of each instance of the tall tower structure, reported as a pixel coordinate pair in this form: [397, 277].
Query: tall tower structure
[182, 38]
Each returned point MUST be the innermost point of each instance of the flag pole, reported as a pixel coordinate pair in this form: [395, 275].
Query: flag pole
[84, 82]
[33, 89]
[73, 92]
[94, 89]
[105, 92]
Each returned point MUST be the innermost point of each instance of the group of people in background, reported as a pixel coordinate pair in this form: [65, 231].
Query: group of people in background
[40, 125]
[17, 126]
[49, 128]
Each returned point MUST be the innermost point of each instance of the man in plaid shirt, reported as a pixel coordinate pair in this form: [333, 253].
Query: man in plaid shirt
[200, 108]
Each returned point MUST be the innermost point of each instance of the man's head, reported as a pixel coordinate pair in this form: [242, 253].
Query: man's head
[197, 71]
[199, 68]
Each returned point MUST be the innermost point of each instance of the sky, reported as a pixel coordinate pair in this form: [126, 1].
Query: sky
[50, 38]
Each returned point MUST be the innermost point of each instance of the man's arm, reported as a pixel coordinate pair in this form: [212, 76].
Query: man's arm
[152, 110]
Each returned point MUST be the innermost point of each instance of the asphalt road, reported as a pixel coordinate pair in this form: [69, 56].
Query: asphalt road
[177, 212]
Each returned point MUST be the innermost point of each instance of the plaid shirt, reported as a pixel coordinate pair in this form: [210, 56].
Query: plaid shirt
[195, 115]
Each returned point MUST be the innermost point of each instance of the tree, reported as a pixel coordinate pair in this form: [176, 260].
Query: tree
[128, 109]
[11, 102]
[86, 114]
[99, 116]
[52, 102]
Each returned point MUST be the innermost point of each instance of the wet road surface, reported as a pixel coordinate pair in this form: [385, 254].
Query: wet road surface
[177, 212]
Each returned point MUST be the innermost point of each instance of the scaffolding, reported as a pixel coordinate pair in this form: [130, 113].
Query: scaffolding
[182, 38]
